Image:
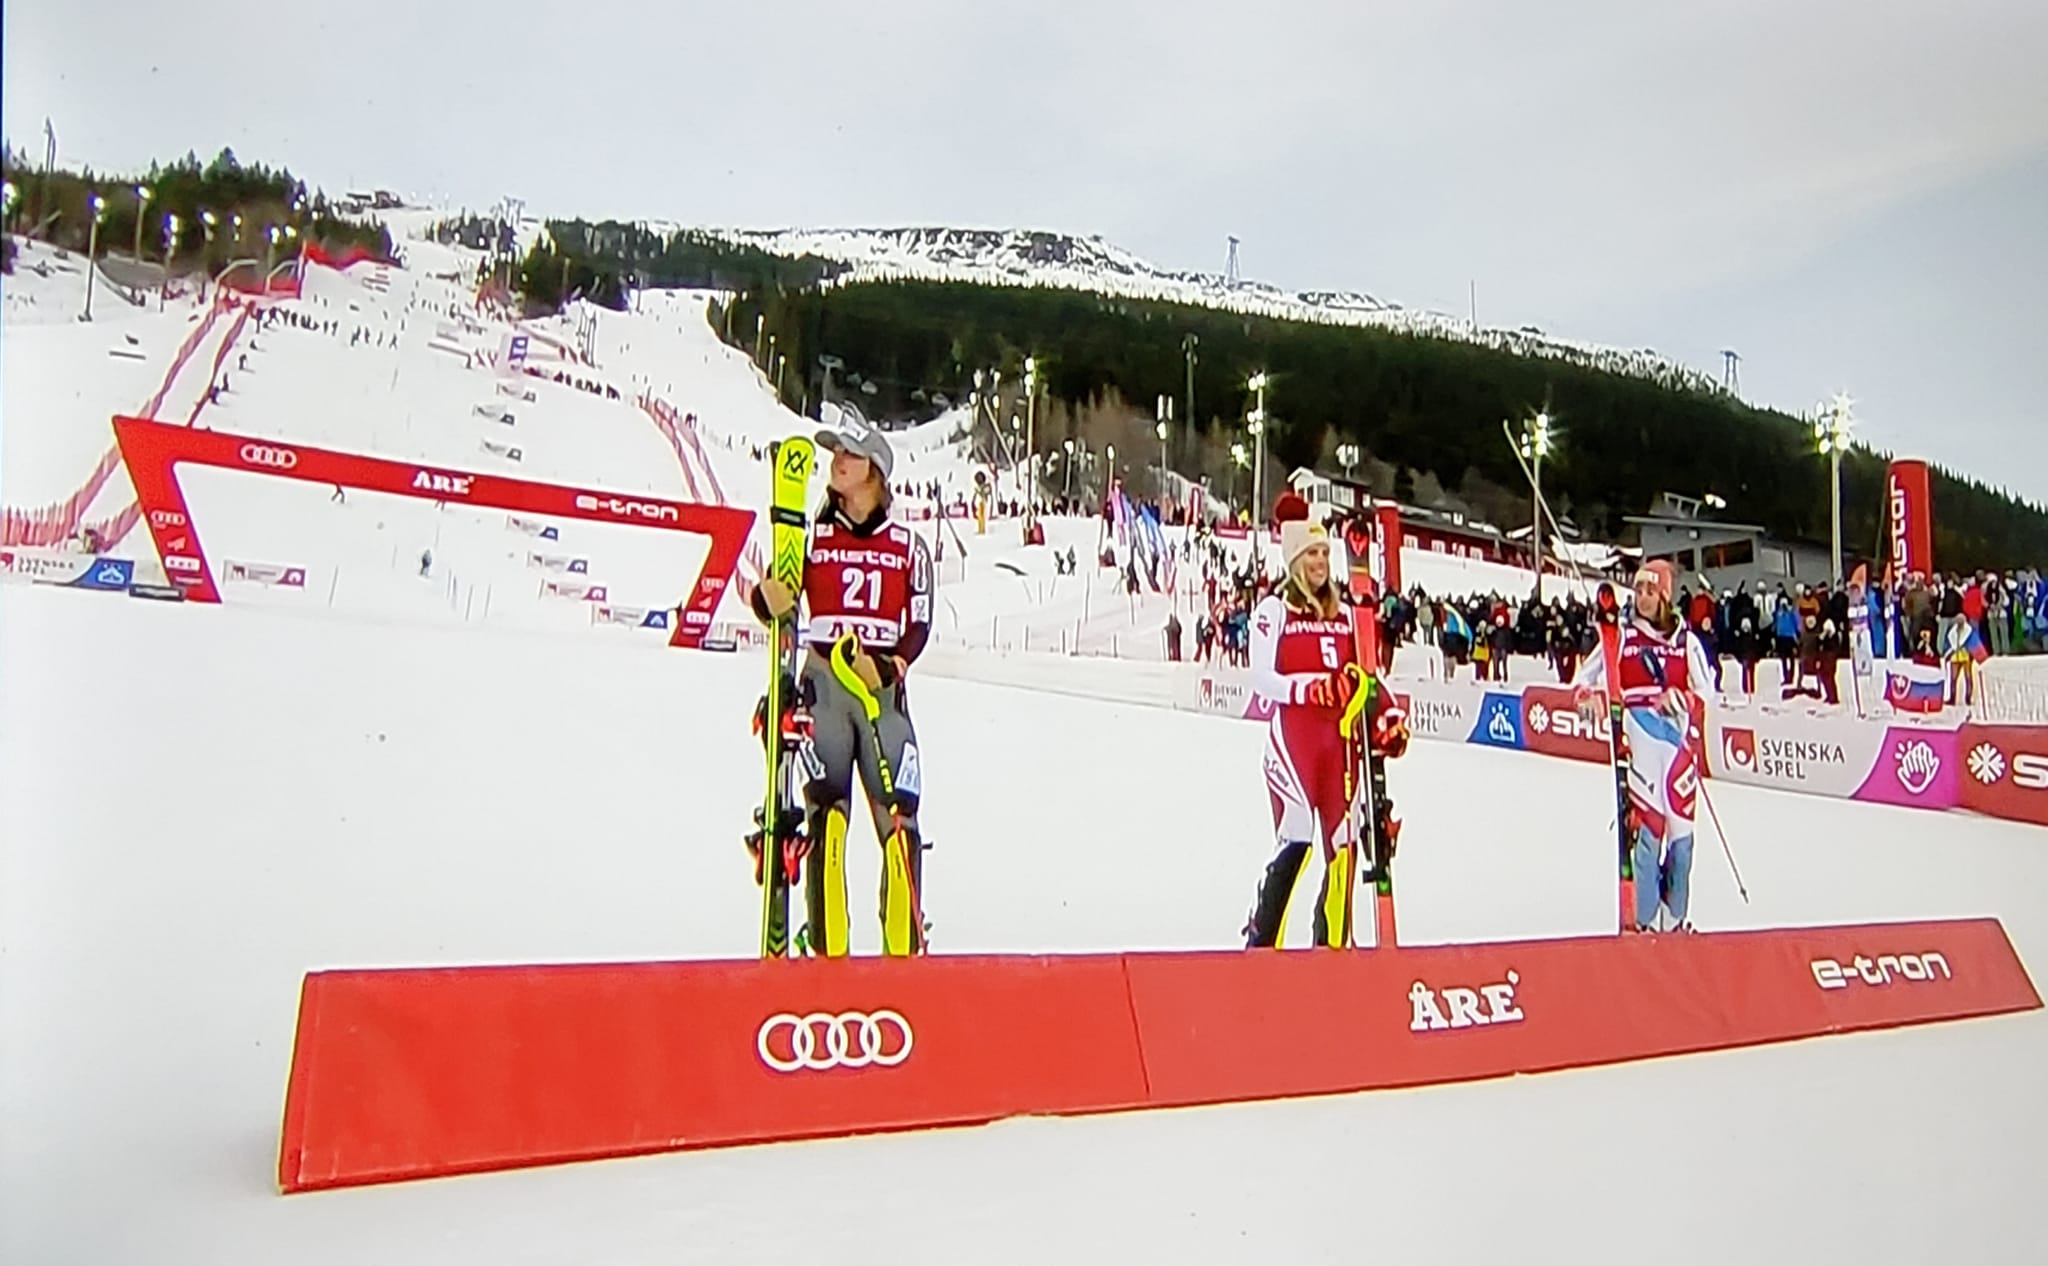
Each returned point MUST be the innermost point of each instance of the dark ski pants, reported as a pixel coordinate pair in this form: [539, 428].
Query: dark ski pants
[842, 742]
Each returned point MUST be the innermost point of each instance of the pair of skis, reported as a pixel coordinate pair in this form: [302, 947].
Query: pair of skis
[779, 841]
[1368, 857]
[1608, 619]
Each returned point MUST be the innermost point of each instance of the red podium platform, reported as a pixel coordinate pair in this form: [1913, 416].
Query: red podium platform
[417, 1073]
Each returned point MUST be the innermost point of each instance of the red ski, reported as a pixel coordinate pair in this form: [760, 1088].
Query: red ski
[1608, 615]
[1372, 838]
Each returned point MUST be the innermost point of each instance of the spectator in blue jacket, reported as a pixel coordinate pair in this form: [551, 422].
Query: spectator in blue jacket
[1785, 635]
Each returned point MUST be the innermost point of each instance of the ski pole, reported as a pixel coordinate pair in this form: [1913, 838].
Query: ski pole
[1726, 851]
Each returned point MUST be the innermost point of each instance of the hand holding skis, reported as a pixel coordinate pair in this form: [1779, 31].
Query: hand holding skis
[1390, 731]
[1676, 706]
[1589, 702]
[777, 598]
[1333, 690]
[876, 673]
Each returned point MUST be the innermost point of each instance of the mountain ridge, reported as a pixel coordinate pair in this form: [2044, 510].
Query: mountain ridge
[1092, 263]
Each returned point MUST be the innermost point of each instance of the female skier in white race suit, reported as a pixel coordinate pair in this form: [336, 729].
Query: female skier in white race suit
[1661, 666]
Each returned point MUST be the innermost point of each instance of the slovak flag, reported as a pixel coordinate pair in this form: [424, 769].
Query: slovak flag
[1974, 644]
[1912, 687]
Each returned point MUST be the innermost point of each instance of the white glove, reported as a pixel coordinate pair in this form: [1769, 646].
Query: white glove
[1676, 705]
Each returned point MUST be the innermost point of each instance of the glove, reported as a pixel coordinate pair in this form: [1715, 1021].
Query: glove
[877, 673]
[1675, 704]
[1587, 702]
[1331, 691]
[1390, 731]
[776, 598]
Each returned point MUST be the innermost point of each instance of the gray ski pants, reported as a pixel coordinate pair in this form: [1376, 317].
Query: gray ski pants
[842, 741]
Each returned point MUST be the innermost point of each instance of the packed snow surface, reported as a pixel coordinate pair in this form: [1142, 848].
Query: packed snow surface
[205, 804]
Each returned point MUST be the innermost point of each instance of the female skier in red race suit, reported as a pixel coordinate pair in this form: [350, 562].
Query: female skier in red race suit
[1304, 665]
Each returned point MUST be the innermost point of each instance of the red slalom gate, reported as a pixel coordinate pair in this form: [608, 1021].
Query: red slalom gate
[401, 1074]
[153, 452]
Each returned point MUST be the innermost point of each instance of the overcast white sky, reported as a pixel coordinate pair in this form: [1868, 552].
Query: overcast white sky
[1853, 194]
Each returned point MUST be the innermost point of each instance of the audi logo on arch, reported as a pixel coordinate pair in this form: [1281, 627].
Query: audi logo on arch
[790, 1043]
[265, 455]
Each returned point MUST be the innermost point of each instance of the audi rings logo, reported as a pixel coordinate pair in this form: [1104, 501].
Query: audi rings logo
[265, 455]
[819, 1041]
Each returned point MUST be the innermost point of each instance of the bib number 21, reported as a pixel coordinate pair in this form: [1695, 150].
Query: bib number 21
[863, 588]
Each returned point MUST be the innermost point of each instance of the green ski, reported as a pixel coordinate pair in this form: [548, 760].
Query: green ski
[781, 814]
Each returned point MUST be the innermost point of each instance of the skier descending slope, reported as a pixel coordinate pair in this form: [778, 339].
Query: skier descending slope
[1304, 663]
[1660, 665]
[867, 586]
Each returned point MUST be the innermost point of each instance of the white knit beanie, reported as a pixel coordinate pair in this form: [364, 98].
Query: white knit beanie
[1296, 537]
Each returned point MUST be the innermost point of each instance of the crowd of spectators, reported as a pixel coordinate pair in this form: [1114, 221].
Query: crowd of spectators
[1806, 628]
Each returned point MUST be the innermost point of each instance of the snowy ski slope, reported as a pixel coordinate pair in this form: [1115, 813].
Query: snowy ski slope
[204, 803]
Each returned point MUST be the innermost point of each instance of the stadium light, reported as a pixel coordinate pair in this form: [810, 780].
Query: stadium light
[1160, 428]
[1539, 439]
[1030, 441]
[142, 196]
[92, 250]
[1832, 424]
[1255, 423]
[171, 226]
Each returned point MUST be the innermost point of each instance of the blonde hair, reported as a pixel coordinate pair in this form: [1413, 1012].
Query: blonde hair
[1296, 593]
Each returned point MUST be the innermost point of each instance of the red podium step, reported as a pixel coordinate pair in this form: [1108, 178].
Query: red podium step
[416, 1073]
